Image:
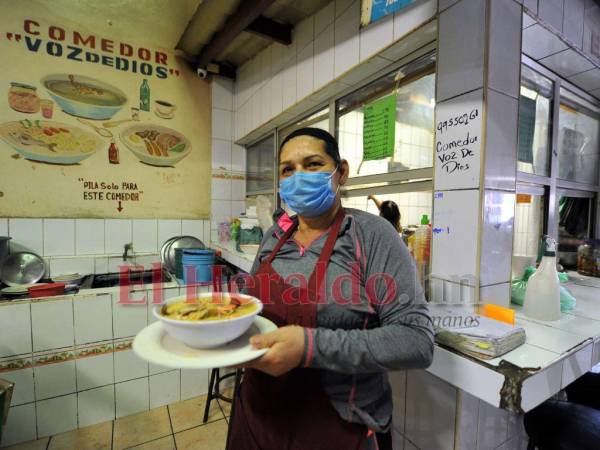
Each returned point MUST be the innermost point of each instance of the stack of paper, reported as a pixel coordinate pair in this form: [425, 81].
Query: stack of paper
[473, 334]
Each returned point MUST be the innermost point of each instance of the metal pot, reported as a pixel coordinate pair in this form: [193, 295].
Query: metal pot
[4, 247]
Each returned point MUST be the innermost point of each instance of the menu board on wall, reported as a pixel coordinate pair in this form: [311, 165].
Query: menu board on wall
[379, 124]
[458, 132]
[92, 126]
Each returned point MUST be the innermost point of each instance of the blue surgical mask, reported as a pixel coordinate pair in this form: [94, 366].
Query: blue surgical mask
[309, 194]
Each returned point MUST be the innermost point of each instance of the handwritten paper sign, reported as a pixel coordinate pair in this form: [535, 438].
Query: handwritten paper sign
[458, 142]
[379, 126]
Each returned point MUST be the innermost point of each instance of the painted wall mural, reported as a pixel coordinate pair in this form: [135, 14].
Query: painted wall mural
[95, 127]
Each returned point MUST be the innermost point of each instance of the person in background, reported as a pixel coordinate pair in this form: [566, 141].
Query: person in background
[389, 211]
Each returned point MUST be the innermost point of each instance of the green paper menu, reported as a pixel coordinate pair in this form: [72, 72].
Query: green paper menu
[379, 128]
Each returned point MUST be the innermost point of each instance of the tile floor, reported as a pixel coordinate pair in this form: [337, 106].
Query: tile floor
[173, 427]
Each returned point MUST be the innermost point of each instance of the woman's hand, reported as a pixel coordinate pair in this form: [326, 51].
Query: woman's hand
[285, 349]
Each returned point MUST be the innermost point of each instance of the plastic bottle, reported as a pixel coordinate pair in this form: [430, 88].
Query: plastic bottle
[542, 296]
[422, 246]
[145, 96]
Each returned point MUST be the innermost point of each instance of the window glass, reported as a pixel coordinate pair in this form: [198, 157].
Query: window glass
[534, 123]
[578, 144]
[412, 206]
[529, 224]
[414, 127]
[260, 166]
[573, 227]
[320, 119]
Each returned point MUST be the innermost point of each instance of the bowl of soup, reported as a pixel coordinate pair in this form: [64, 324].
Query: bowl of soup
[83, 96]
[209, 319]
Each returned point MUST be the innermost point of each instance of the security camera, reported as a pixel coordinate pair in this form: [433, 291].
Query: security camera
[202, 73]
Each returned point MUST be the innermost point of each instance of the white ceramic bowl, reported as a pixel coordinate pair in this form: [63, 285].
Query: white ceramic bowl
[210, 333]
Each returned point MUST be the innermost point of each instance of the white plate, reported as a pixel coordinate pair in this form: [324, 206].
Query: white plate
[67, 277]
[155, 345]
[16, 290]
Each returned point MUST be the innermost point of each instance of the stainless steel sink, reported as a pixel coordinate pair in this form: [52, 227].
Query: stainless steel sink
[105, 280]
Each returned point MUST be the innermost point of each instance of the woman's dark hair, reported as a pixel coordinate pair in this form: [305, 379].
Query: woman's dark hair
[390, 211]
[331, 145]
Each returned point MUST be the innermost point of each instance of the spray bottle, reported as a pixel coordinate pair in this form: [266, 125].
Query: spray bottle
[542, 297]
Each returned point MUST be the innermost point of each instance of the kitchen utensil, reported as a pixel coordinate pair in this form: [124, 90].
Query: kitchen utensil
[25, 139]
[4, 240]
[15, 290]
[116, 123]
[72, 280]
[47, 290]
[101, 131]
[164, 249]
[22, 268]
[180, 242]
[154, 344]
[66, 277]
[197, 264]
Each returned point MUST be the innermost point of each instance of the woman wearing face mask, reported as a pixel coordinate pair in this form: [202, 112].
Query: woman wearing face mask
[342, 288]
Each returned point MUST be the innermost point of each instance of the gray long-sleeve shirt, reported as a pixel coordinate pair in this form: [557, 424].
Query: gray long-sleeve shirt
[359, 337]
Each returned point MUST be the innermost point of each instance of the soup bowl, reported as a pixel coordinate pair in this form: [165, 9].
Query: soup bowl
[63, 91]
[208, 333]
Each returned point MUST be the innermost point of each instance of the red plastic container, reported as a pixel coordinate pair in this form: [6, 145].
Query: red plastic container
[46, 290]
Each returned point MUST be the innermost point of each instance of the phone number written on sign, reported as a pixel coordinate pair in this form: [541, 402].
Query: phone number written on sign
[454, 153]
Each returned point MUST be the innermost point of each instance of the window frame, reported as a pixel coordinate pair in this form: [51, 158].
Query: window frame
[254, 142]
[553, 185]
[415, 180]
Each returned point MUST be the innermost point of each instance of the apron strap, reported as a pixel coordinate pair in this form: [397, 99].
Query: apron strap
[318, 274]
[325, 255]
[282, 241]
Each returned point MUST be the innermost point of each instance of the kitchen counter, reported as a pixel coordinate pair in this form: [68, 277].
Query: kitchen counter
[231, 255]
[554, 355]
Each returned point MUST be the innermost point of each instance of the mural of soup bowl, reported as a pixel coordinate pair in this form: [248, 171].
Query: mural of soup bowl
[83, 96]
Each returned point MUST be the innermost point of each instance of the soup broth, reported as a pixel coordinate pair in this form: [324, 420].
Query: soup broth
[93, 95]
[209, 309]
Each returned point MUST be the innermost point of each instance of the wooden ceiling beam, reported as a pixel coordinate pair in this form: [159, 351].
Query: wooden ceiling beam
[271, 30]
[247, 13]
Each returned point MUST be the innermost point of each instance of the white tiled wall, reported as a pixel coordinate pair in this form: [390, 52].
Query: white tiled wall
[78, 371]
[324, 47]
[563, 39]
[228, 189]
[96, 245]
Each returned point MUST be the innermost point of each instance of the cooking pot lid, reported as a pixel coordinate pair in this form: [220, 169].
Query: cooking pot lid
[22, 268]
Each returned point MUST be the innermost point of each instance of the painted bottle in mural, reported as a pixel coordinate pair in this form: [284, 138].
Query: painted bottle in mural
[113, 153]
[145, 96]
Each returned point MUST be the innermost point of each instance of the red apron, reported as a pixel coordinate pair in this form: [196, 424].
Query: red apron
[292, 411]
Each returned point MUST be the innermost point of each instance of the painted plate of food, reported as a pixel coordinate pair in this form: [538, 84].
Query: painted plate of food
[50, 142]
[156, 145]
